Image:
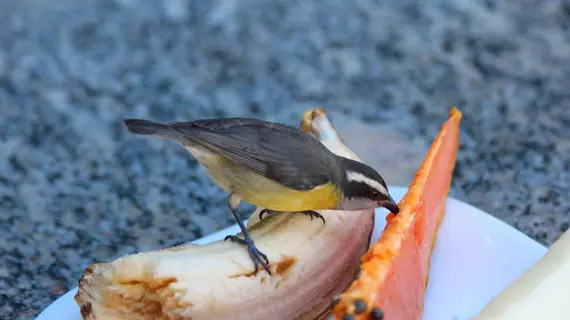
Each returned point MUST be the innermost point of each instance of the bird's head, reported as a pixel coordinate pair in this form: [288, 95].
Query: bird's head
[362, 187]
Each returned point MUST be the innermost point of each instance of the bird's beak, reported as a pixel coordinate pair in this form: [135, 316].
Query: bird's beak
[391, 205]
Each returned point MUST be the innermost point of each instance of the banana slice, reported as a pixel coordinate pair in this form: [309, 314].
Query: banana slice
[310, 263]
[541, 292]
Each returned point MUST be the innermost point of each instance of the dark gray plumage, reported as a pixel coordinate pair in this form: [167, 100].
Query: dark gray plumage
[279, 152]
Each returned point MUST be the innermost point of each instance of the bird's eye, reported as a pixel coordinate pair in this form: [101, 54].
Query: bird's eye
[375, 193]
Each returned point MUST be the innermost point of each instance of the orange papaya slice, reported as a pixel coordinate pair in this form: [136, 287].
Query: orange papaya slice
[394, 272]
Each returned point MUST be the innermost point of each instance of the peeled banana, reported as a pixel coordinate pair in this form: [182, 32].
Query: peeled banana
[310, 262]
[541, 292]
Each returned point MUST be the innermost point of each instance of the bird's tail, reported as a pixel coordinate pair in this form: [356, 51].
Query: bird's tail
[151, 128]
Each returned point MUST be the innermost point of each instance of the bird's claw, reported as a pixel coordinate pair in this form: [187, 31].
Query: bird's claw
[235, 239]
[257, 256]
[264, 211]
[314, 214]
[310, 213]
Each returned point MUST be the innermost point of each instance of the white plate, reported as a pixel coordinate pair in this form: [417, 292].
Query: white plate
[475, 257]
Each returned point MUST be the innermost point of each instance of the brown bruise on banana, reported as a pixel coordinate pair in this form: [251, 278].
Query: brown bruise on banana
[281, 268]
[86, 310]
[146, 289]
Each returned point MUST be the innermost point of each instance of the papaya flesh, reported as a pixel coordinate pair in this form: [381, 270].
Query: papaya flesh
[395, 270]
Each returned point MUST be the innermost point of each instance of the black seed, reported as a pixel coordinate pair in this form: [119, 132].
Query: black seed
[348, 317]
[359, 306]
[376, 314]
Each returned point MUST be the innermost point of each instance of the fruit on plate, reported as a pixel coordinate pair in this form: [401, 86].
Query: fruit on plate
[541, 292]
[310, 262]
[394, 272]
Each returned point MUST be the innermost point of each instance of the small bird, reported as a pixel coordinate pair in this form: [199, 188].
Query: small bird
[273, 166]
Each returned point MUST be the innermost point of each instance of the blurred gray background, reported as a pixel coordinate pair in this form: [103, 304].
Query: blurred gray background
[76, 188]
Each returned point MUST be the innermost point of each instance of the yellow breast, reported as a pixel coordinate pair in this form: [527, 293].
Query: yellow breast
[263, 192]
[280, 198]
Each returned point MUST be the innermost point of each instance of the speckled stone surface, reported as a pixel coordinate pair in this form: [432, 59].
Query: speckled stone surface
[75, 188]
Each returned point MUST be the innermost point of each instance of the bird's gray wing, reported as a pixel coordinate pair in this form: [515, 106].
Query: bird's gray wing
[278, 152]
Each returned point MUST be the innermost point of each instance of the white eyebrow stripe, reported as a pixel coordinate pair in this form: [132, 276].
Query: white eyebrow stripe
[359, 177]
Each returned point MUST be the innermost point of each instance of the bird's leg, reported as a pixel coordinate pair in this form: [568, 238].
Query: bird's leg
[310, 213]
[257, 256]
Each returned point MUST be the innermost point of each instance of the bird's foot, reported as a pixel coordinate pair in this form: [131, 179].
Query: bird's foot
[258, 257]
[310, 213]
[314, 214]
